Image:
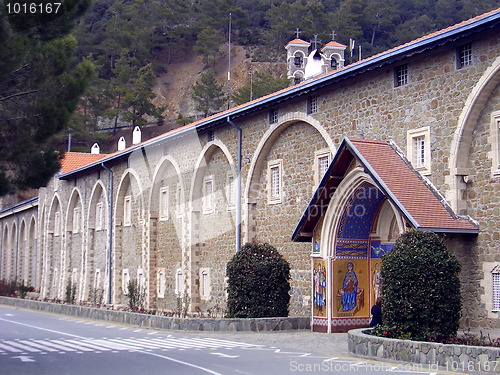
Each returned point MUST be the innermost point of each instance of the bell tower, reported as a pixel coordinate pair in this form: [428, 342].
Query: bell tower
[296, 58]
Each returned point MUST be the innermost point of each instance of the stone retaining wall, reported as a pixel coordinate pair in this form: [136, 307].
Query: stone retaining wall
[163, 322]
[430, 355]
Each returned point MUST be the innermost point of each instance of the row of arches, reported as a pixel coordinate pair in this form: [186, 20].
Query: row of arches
[159, 230]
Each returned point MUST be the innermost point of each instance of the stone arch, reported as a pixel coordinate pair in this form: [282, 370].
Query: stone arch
[73, 254]
[353, 240]
[54, 248]
[14, 255]
[129, 235]
[22, 250]
[462, 138]
[213, 158]
[166, 232]
[5, 251]
[258, 159]
[94, 267]
[32, 258]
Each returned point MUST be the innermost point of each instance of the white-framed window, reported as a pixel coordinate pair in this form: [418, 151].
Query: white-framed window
[57, 223]
[164, 203]
[401, 75]
[161, 283]
[496, 291]
[464, 55]
[495, 143]
[418, 149]
[312, 104]
[141, 279]
[74, 276]
[179, 282]
[125, 280]
[76, 220]
[273, 116]
[99, 219]
[97, 279]
[208, 195]
[275, 181]
[55, 275]
[205, 283]
[231, 190]
[322, 160]
[179, 197]
[127, 211]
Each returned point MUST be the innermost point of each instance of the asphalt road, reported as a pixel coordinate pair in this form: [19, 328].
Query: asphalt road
[41, 343]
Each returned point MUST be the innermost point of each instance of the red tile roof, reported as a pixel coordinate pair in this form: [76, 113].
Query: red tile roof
[415, 197]
[298, 41]
[75, 160]
[414, 193]
[333, 44]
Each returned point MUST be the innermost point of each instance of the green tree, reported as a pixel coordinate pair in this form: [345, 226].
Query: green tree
[263, 84]
[208, 95]
[420, 288]
[258, 283]
[40, 85]
[208, 45]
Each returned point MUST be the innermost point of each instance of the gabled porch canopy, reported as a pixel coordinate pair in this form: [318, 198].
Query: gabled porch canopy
[417, 200]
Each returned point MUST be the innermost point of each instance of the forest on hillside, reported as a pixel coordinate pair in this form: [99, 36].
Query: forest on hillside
[98, 61]
[125, 39]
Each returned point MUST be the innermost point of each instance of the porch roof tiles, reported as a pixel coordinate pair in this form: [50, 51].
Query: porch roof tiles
[414, 196]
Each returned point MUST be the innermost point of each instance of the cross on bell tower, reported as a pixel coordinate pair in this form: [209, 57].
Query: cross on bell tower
[315, 41]
[333, 34]
[297, 32]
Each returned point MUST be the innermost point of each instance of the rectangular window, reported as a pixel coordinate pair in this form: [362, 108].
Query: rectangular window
[464, 56]
[231, 190]
[179, 282]
[205, 283]
[275, 182]
[401, 75]
[312, 104]
[127, 211]
[57, 223]
[208, 196]
[496, 291]
[273, 116]
[141, 280]
[210, 136]
[179, 197]
[97, 279]
[125, 280]
[418, 150]
[99, 216]
[164, 203]
[76, 220]
[495, 143]
[161, 284]
[322, 162]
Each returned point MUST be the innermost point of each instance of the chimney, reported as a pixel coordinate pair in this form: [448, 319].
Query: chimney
[122, 145]
[95, 149]
[136, 136]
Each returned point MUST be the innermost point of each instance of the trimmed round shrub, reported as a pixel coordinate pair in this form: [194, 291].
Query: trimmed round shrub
[258, 283]
[420, 288]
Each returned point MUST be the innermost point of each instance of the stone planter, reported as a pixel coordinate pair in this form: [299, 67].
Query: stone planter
[428, 354]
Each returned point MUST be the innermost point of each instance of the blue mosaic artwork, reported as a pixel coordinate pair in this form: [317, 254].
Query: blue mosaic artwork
[378, 249]
[356, 222]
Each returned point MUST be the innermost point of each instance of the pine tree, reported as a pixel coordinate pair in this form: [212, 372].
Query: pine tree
[208, 95]
[40, 84]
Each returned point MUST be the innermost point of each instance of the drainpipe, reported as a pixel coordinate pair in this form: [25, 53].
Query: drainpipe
[110, 233]
[238, 187]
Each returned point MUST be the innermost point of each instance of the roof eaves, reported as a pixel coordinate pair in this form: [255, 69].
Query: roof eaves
[381, 184]
[22, 206]
[314, 84]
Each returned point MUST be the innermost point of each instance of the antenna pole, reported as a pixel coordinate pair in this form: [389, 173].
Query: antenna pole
[229, 67]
